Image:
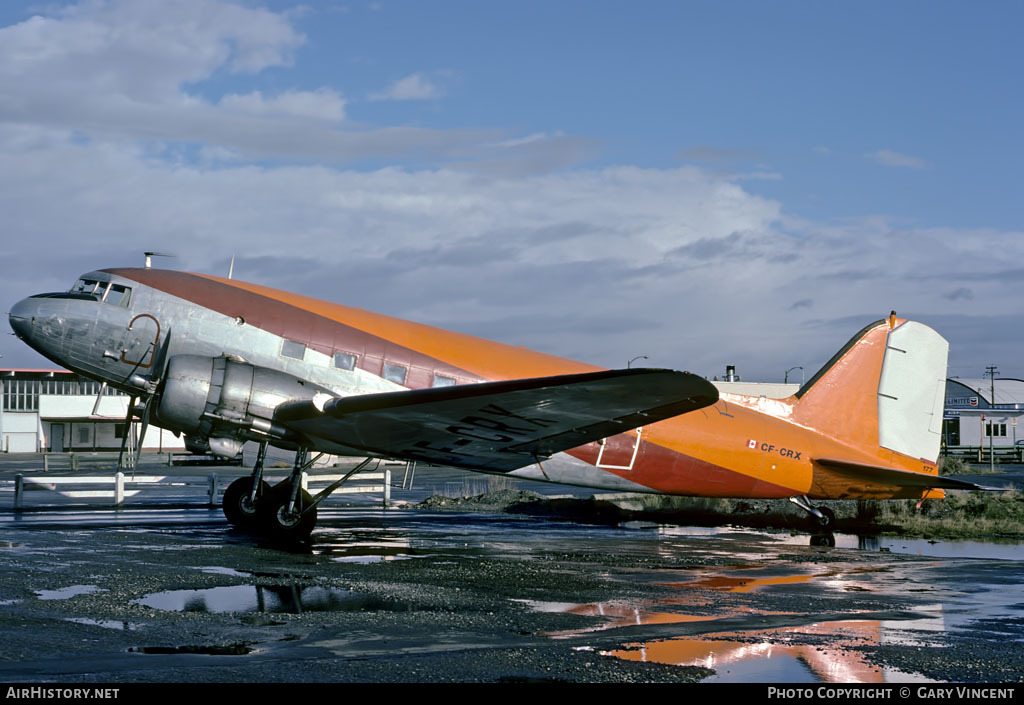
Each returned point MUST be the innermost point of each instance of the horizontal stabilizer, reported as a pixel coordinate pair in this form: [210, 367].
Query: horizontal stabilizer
[878, 474]
[499, 426]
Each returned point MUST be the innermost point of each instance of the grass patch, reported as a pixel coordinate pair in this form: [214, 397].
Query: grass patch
[958, 466]
[960, 515]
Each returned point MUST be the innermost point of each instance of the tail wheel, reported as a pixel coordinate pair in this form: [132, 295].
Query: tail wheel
[277, 518]
[828, 518]
[239, 509]
[826, 540]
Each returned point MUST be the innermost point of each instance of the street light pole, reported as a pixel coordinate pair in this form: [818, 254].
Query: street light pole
[638, 357]
[991, 372]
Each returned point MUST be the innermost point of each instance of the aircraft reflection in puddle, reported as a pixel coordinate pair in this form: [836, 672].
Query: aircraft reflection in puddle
[829, 655]
[767, 653]
[817, 652]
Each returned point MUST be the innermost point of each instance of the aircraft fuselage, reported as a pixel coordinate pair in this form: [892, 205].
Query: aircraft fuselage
[116, 325]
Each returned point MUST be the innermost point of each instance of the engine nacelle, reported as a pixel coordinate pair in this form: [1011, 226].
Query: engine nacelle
[227, 401]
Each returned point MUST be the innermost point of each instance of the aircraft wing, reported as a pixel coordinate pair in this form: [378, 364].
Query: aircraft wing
[497, 426]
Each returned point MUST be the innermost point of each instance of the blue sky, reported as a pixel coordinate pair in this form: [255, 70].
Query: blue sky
[706, 183]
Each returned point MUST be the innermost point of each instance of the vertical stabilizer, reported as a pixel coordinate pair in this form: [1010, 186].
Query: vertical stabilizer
[884, 388]
[841, 399]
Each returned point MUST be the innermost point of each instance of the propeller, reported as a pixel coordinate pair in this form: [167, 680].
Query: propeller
[151, 255]
[151, 385]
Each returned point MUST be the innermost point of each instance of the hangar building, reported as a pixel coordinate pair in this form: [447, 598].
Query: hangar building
[52, 410]
[972, 416]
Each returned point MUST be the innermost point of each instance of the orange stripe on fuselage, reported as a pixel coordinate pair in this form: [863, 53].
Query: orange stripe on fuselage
[488, 359]
[680, 455]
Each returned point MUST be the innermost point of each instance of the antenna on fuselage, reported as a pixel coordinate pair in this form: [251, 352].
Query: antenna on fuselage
[151, 255]
[231, 269]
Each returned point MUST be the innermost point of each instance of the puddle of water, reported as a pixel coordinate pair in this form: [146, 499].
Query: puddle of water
[999, 550]
[616, 615]
[228, 650]
[105, 623]
[68, 592]
[363, 546]
[1012, 550]
[816, 653]
[219, 570]
[821, 652]
[290, 599]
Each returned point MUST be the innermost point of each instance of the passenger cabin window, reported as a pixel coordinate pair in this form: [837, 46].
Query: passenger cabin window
[394, 373]
[289, 348]
[344, 361]
[442, 381]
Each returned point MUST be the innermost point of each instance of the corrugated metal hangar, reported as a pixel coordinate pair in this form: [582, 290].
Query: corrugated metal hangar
[981, 410]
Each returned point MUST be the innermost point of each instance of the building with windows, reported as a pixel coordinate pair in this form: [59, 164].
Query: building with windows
[973, 416]
[59, 411]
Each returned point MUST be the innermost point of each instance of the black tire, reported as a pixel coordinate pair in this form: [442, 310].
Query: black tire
[237, 508]
[827, 540]
[278, 522]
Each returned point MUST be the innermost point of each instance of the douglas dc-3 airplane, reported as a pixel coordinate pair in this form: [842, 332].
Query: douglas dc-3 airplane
[224, 362]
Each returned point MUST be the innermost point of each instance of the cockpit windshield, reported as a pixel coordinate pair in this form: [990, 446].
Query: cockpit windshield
[85, 286]
[103, 291]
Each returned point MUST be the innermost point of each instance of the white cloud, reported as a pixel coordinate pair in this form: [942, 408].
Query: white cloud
[109, 149]
[415, 86]
[887, 157]
[322, 104]
[682, 265]
[128, 70]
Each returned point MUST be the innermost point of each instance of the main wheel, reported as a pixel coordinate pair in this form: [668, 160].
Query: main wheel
[277, 519]
[238, 508]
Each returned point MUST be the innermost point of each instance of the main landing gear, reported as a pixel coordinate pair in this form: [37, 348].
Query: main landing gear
[242, 496]
[285, 511]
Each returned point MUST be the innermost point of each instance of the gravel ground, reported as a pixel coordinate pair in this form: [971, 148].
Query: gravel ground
[427, 596]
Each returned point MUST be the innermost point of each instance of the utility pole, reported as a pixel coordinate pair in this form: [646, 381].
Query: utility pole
[991, 372]
[2, 404]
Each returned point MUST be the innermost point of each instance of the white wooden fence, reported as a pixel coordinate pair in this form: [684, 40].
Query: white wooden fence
[119, 487]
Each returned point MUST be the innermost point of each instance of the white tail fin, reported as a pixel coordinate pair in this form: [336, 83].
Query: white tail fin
[911, 391]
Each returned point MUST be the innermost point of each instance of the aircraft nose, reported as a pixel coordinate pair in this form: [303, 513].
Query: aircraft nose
[20, 317]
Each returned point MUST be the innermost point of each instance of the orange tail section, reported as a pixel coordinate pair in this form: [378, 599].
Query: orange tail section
[880, 400]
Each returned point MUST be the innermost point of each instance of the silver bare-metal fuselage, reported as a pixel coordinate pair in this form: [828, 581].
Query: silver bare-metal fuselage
[221, 377]
[111, 342]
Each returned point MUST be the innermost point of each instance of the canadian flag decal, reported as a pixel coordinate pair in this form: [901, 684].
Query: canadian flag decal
[751, 444]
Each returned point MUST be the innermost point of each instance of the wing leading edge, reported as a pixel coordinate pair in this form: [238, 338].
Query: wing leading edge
[498, 426]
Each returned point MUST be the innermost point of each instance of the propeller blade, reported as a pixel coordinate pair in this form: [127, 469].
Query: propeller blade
[160, 363]
[142, 432]
[99, 398]
[126, 428]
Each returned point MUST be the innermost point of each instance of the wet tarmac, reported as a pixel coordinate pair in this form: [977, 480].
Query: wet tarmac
[170, 594]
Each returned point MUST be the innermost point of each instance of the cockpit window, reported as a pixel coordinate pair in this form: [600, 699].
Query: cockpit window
[118, 295]
[103, 291]
[85, 286]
